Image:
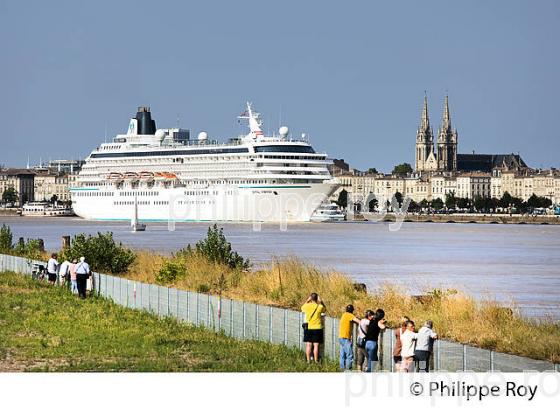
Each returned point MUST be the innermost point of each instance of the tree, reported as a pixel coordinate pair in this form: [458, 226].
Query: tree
[6, 239]
[437, 204]
[538, 202]
[479, 203]
[402, 169]
[463, 203]
[54, 199]
[505, 201]
[413, 206]
[216, 248]
[372, 205]
[342, 200]
[10, 195]
[450, 200]
[372, 171]
[424, 204]
[101, 252]
[399, 198]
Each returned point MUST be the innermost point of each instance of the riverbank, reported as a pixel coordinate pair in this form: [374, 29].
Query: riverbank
[48, 329]
[467, 218]
[287, 283]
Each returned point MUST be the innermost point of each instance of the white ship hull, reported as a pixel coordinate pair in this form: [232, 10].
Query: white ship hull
[264, 203]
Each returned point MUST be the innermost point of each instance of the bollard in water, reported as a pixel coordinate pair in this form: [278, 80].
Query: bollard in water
[65, 242]
[41, 244]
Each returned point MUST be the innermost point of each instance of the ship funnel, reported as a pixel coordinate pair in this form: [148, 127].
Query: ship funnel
[146, 126]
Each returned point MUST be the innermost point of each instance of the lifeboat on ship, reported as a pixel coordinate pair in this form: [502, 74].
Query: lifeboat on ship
[146, 175]
[131, 175]
[114, 176]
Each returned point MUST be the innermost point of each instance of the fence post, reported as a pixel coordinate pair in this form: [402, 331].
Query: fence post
[392, 344]
[438, 368]
[188, 306]
[244, 320]
[333, 333]
[285, 327]
[157, 290]
[491, 360]
[231, 317]
[270, 324]
[464, 358]
[197, 305]
[257, 320]
[209, 313]
[300, 324]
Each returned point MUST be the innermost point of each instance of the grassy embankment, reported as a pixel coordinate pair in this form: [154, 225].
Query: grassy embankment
[287, 283]
[48, 329]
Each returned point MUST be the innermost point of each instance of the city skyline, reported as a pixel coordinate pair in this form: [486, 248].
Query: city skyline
[72, 72]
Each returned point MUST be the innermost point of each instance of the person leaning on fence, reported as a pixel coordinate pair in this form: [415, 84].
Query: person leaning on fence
[64, 272]
[345, 338]
[313, 326]
[408, 341]
[73, 278]
[82, 275]
[52, 268]
[361, 361]
[424, 347]
[376, 325]
[397, 358]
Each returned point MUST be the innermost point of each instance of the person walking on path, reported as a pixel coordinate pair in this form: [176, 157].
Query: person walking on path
[52, 269]
[64, 272]
[73, 278]
[424, 347]
[408, 341]
[397, 358]
[345, 338]
[376, 325]
[313, 326]
[361, 361]
[82, 275]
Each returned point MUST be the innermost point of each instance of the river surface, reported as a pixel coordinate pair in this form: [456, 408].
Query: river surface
[515, 264]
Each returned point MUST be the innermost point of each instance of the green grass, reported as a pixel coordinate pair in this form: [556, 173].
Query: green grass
[47, 329]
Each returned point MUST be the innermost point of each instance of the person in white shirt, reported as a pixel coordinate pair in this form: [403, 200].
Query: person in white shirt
[52, 268]
[408, 341]
[361, 361]
[424, 347]
[64, 272]
[82, 275]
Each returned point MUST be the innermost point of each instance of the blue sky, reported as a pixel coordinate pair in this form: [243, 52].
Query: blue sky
[351, 74]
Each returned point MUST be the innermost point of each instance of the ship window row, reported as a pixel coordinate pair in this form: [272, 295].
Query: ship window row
[140, 193]
[286, 148]
[300, 157]
[168, 153]
[94, 193]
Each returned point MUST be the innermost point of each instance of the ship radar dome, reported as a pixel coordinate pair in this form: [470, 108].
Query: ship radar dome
[202, 136]
[284, 131]
[160, 134]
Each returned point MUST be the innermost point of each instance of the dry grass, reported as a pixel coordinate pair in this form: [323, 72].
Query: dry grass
[288, 282]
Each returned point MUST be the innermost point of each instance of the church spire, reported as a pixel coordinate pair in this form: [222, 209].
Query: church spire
[425, 121]
[446, 120]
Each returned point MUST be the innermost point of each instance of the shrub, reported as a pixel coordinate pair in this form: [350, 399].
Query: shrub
[6, 238]
[216, 248]
[28, 249]
[101, 252]
[170, 272]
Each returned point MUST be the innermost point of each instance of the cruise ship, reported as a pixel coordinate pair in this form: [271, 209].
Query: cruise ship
[170, 177]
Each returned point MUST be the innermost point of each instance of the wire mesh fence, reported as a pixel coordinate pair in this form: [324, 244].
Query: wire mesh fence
[249, 321]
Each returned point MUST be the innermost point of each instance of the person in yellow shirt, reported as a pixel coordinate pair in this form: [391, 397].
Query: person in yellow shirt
[345, 338]
[313, 308]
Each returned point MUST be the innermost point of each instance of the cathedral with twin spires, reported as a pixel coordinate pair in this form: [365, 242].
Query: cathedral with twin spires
[444, 158]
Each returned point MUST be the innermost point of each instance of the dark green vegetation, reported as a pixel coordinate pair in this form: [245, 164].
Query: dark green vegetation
[102, 252]
[48, 329]
[29, 248]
